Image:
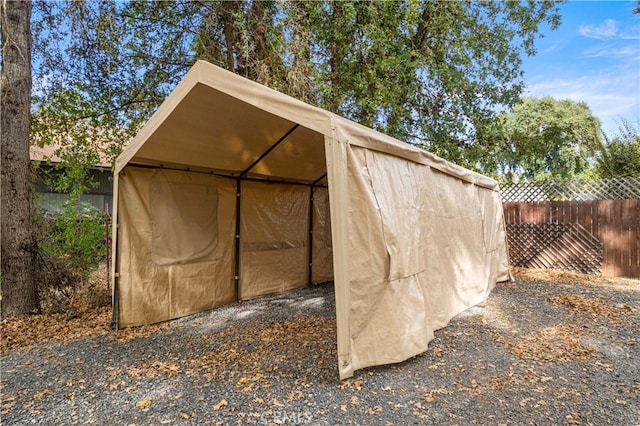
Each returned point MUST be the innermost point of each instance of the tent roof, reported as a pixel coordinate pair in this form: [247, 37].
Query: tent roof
[218, 121]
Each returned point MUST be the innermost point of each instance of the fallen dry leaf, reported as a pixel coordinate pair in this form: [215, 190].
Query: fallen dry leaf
[358, 383]
[551, 344]
[131, 333]
[38, 396]
[294, 394]
[594, 306]
[19, 332]
[274, 343]
[556, 275]
[220, 404]
[373, 410]
[144, 403]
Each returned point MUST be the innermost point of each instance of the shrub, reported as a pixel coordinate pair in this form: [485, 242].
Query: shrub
[71, 244]
[620, 153]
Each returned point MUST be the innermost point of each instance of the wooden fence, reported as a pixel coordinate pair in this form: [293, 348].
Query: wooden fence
[613, 223]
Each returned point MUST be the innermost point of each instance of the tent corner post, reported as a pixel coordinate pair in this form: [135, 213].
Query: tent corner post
[236, 275]
[115, 263]
[115, 306]
[311, 203]
[310, 263]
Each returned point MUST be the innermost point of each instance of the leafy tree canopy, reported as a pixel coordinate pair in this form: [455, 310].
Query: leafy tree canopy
[432, 73]
[544, 138]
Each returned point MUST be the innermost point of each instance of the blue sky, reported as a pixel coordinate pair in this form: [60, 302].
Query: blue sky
[594, 56]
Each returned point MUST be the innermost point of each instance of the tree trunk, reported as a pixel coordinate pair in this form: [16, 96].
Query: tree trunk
[236, 62]
[332, 102]
[257, 25]
[19, 293]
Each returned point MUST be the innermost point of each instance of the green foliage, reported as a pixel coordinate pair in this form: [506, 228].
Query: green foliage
[79, 144]
[544, 138]
[100, 74]
[79, 233]
[432, 73]
[71, 244]
[620, 152]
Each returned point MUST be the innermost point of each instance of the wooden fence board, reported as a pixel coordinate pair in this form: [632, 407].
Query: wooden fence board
[634, 236]
[554, 245]
[616, 223]
[632, 219]
[625, 238]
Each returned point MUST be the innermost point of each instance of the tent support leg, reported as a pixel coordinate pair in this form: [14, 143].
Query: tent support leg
[116, 306]
[310, 281]
[236, 275]
[312, 189]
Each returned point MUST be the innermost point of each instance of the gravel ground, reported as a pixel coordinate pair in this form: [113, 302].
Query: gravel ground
[536, 353]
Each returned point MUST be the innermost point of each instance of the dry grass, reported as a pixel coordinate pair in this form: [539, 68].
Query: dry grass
[80, 312]
[93, 293]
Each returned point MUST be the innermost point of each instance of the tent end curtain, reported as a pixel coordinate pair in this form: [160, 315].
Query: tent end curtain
[339, 204]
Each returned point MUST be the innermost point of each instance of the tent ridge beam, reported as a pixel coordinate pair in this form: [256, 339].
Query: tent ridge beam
[235, 175]
[268, 151]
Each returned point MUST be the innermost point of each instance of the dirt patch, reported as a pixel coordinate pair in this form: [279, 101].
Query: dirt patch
[275, 348]
[567, 277]
[596, 307]
[552, 344]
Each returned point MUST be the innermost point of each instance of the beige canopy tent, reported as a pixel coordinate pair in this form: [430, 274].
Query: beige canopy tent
[233, 190]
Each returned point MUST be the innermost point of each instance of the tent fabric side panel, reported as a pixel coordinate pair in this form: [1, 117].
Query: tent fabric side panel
[274, 238]
[419, 253]
[336, 154]
[175, 244]
[322, 245]
[495, 235]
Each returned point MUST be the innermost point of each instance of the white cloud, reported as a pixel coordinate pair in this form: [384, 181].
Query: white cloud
[609, 95]
[607, 29]
[632, 35]
[611, 50]
[551, 48]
